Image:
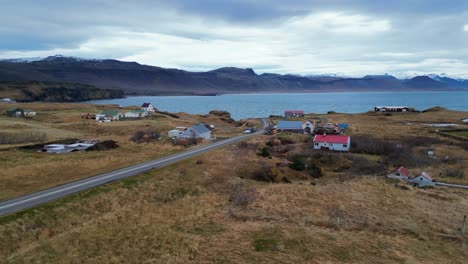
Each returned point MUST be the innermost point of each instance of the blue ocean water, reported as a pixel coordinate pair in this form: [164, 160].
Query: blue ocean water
[262, 105]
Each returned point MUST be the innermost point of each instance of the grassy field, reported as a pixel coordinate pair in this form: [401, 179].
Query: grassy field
[25, 171]
[245, 208]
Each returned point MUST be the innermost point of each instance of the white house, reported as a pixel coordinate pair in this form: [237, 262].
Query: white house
[400, 173]
[332, 142]
[148, 107]
[174, 133]
[136, 114]
[196, 131]
[110, 115]
[423, 180]
[308, 127]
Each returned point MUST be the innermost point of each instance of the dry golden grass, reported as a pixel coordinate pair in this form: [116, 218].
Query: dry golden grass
[182, 214]
[27, 171]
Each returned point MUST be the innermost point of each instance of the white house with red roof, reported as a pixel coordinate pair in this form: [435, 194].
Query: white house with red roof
[332, 142]
[423, 180]
[400, 173]
[293, 113]
[148, 107]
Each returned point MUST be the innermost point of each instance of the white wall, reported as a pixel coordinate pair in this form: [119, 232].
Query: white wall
[332, 146]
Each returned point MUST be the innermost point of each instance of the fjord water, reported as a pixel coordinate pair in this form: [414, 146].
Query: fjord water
[262, 105]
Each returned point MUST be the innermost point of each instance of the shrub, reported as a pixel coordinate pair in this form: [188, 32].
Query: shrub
[265, 152]
[138, 137]
[297, 163]
[455, 173]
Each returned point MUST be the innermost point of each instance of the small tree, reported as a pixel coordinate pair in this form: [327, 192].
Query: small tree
[265, 152]
[138, 137]
[297, 163]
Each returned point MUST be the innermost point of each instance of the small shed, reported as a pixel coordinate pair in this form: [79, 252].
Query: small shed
[29, 113]
[343, 126]
[148, 107]
[423, 180]
[293, 113]
[308, 127]
[289, 126]
[400, 173]
[332, 142]
[174, 133]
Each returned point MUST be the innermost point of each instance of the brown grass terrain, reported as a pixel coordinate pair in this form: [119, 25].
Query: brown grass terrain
[25, 171]
[211, 210]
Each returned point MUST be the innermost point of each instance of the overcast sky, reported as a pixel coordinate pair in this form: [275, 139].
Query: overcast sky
[353, 38]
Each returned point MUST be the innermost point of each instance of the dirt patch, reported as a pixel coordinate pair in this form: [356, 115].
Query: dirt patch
[104, 145]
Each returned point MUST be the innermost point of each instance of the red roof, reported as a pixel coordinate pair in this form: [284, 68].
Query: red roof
[294, 111]
[145, 104]
[331, 139]
[402, 170]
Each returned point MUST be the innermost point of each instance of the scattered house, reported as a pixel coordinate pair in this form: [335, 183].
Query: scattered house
[400, 173]
[391, 109]
[332, 142]
[308, 127]
[293, 113]
[148, 107]
[136, 114]
[289, 126]
[19, 112]
[15, 112]
[111, 115]
[198, 131]
[7, 100]
[423, 180]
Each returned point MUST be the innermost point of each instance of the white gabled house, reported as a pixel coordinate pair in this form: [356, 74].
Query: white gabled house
[423, 180]
[148, 107]
[332, 142]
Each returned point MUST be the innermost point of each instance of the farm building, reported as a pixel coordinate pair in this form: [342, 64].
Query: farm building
[293, 113]
[19, 112]
[174, 133]
[423, 180]
[401, 173]
[289, 126]
[136, 114]
[148, 107]
[196, 131]
[112, 115]
[391, 109]
[308, 127]
[332, 142]
[15, 112]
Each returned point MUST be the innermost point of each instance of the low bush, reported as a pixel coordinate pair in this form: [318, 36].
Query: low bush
[265, 152]
[242, 196]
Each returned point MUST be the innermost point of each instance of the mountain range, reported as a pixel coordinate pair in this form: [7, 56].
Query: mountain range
[137, 79]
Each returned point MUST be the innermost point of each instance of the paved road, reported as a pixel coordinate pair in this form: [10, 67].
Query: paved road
[51, 194]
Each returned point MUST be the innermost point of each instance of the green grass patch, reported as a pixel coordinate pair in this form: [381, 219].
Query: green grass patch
[267, 240]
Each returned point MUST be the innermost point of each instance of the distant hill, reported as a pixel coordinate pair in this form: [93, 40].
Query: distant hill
[137, 79]
[30, 91]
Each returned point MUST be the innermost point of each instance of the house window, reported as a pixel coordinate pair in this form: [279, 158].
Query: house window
[316, 144]
[345, 145]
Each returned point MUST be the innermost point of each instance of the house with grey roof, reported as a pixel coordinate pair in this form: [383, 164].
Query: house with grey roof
[289, 126]
[198, 131]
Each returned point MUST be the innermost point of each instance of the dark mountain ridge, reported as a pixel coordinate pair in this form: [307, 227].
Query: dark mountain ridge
[134, 78]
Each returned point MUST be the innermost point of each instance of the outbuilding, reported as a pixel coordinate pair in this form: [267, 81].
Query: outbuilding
[136, 114]
[289, 126]
[198, 131]
[113, 115]
[308, 127]
[332, 142]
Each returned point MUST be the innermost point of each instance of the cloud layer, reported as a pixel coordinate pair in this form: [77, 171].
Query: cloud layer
[351, 38]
